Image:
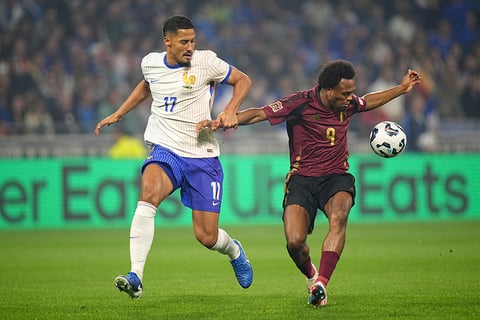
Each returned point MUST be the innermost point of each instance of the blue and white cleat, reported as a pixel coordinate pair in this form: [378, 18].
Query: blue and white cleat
[318, 295]
[131, 284]
[242, 268]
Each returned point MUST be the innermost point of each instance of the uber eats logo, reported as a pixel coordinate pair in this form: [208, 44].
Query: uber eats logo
[102, 192]
[425, 190]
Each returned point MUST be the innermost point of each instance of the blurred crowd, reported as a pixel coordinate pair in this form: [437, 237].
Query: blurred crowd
[65, 64]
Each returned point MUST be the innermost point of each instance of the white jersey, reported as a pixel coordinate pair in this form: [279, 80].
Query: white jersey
[183, 96]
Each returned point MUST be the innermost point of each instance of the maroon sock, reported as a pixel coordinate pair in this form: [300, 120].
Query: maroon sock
[328, 262]
[306, 268]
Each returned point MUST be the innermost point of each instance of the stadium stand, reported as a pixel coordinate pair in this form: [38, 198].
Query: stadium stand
[66, 64]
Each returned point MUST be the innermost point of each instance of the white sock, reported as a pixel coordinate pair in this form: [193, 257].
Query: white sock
[225, 245]
[141, 236]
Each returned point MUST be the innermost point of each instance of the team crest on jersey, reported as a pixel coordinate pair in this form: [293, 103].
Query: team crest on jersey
[188, 81]
[276, 106]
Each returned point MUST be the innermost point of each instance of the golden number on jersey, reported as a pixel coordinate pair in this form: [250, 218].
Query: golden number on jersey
[330, 134]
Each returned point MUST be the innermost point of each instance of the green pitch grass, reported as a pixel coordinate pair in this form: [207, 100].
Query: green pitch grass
[387, 271]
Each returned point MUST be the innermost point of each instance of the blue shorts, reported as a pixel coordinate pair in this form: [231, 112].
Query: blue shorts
[199, 179]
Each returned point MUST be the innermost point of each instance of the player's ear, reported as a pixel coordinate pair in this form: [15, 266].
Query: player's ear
[166, 41]
[329, 93]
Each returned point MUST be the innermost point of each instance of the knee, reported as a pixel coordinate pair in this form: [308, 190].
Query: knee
[339, 218]
[295, 244]
[150, 197]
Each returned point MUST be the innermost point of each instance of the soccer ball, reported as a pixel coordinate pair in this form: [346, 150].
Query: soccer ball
[388, 139]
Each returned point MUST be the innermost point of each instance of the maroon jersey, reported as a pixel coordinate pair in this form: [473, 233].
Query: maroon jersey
[317, 135]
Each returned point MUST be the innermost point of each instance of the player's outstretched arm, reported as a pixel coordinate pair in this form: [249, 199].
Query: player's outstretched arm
[139, 94]
[244, 117]
[251, 116]
[379, 98]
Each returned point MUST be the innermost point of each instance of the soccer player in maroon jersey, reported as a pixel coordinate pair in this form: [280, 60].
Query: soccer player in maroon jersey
[317, 121]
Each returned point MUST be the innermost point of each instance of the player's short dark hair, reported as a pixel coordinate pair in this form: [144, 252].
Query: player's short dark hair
[177, 22]
[333, 72]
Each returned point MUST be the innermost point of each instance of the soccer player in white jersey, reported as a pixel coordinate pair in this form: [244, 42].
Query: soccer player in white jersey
[181, 82]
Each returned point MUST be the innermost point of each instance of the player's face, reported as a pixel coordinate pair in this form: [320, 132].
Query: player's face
[180, 46]
[341, 96]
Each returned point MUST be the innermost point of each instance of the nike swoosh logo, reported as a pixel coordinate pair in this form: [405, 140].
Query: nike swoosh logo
[215, 203]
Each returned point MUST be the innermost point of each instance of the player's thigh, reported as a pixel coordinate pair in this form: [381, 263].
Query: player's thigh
[156, 185]
[338, 206]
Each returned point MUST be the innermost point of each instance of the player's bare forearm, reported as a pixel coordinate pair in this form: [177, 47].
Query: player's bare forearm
[251, 116]
[245, 117]
[379, 98]
[137, 96]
